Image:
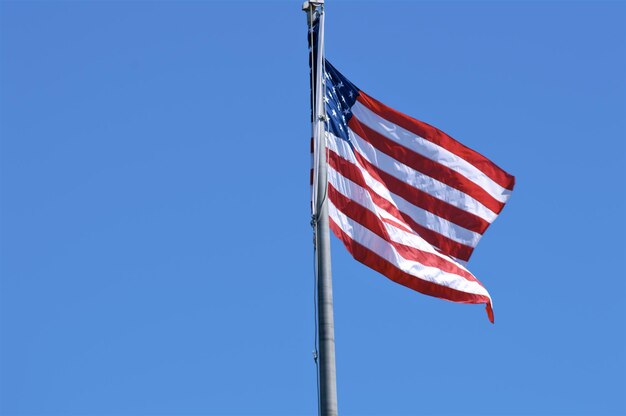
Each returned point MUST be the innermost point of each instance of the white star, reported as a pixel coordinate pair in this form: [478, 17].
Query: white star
[340, 84]
[346, 111]
[350, 94]
[343, 99]
[334, 113]
[326, 100]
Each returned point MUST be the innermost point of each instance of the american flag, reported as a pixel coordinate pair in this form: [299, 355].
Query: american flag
[405, 198]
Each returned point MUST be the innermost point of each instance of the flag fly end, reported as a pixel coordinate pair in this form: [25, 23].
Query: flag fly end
[489, 312]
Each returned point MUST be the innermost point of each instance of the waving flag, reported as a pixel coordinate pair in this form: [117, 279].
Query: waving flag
[405, 198]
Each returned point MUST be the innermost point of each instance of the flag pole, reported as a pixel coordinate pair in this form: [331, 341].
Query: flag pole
[325, 320]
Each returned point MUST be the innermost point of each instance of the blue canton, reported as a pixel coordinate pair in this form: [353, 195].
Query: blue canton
[339, 97]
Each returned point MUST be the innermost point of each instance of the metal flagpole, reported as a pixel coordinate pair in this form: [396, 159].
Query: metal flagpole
[325, 324]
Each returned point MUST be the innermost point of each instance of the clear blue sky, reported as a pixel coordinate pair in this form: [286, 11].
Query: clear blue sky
[156, 252]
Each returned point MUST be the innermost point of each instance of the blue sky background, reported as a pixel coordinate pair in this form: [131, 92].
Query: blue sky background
[156, 252]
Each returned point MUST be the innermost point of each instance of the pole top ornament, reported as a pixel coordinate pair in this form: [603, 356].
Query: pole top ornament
[315, 3]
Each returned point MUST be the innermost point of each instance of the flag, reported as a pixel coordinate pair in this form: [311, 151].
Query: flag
[406, 199]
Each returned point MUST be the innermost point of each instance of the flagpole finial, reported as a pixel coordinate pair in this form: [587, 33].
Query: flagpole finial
[314, 3]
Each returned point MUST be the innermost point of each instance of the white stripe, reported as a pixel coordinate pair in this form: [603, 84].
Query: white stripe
[430, 150]
[424, 218]
[386, 250]
[358, 193]
[420, 181]
[362, 197]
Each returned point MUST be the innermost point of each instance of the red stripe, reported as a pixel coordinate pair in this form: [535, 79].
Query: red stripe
[352, 172]
[429, 203]
[400, 225]
[386, 268]
[423, 200]
[440, 138]
[372, 222]
[424, 165]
